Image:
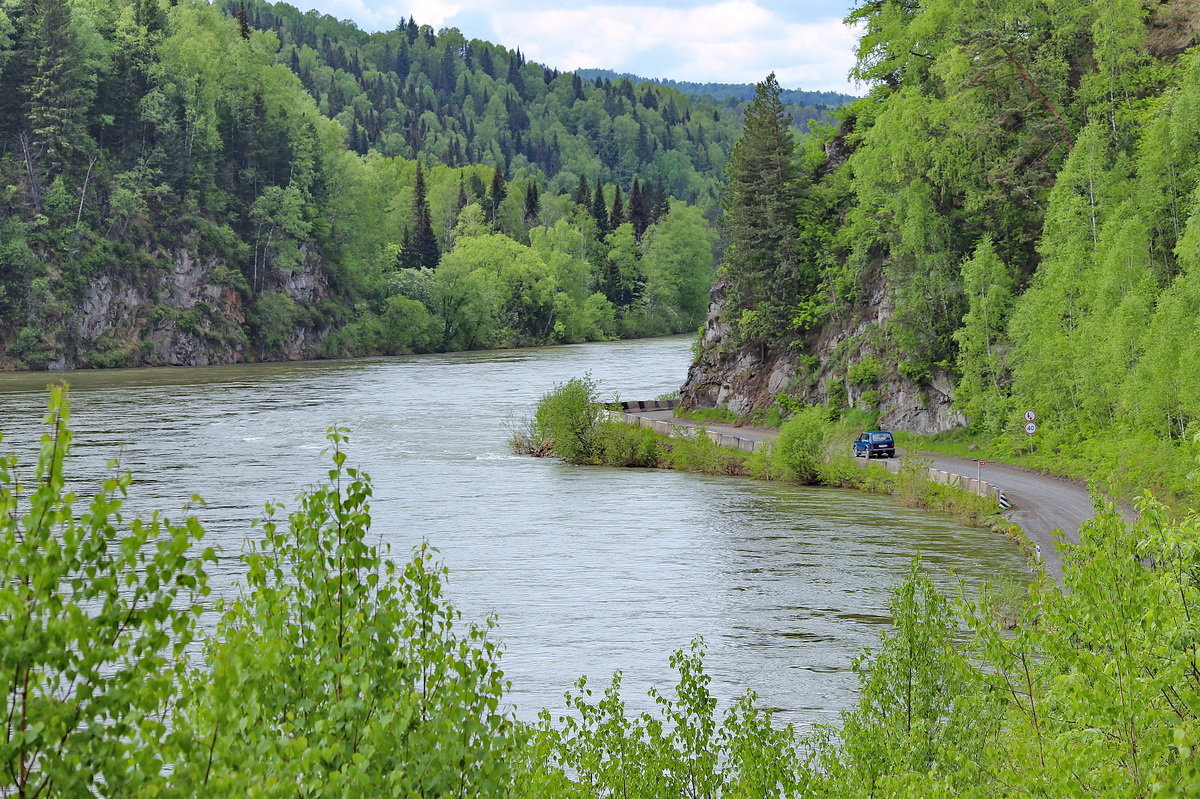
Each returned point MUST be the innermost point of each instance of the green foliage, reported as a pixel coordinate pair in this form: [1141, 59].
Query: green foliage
[625, 445]
[568, 418]
[919, 714]
[168, 152]
[761, 206]
[275, 316]
[350, 673]
[96, 613]
[686, 749]
[798, 452]
[865, 372]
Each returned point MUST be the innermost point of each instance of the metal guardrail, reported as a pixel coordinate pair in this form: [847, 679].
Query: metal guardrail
[674, 430]
[630, 406]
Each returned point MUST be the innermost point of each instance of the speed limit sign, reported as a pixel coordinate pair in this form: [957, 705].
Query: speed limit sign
[1030, 428]
[1030, 416]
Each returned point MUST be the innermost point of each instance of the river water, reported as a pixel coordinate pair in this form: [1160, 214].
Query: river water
[589, 570]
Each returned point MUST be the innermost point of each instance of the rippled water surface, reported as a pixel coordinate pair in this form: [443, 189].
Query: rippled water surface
[589, 570]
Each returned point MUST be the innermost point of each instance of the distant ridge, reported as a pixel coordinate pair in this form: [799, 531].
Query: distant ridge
[725, 91]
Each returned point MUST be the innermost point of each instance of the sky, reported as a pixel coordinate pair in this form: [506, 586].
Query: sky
[720, 41]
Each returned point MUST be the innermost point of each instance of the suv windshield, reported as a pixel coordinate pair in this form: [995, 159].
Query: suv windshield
[881, 436]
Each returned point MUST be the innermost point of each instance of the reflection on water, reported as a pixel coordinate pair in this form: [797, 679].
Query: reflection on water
[589, 570]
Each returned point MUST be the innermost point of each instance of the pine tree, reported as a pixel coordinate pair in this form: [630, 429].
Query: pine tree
[582, 193]
[243, 22]
[496, 196]
[639, 210]
[617, 215]
[58, 95]
[533, 202]
[425, 251]
[462, 200]
[599, 209]
[761, 206]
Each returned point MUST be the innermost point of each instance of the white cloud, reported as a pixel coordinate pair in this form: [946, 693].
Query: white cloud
[725, 41]
[374, 15]
[736, 41]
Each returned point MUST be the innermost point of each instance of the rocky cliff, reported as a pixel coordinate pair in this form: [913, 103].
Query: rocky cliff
[839, 363]
[187, 309]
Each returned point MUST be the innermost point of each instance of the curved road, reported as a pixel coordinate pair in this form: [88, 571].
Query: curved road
[1042, 504]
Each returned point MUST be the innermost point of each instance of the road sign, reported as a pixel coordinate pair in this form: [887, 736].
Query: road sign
[1030, 416]
[1031, 428]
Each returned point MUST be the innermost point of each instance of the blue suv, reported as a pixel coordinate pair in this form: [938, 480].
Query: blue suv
[875, 444]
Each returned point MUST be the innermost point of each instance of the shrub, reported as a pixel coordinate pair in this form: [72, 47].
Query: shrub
[799, 450]
[625, 445]
[686, 749]
[567, 421]
[96, 612]
[340, 673]
[867, 372]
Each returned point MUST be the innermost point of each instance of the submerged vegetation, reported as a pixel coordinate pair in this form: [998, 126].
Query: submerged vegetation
[339, 671]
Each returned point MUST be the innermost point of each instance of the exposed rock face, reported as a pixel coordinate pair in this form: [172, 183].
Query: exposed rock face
[741, 379]
[748, 378]
[189, 314]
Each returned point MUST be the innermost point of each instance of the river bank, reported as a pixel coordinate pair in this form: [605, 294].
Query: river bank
[572, 424]
[589, 571]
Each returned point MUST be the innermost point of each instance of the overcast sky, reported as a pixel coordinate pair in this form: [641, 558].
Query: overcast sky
[723, 41]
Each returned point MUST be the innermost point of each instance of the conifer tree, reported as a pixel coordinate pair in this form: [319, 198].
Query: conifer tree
[617, 215]
[659, 203]
[462, 200]
[582, 194]
[58, 95]
[243, 22]
[423, 244]
[533, 202]
[478, 192]
[496, 196]
[761, 207]
[639, 210]
[600, 209]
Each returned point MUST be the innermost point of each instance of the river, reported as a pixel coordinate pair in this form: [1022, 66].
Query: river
[589, 570]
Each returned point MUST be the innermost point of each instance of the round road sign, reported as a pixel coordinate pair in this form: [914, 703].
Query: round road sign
[1031, 428]
[1030, 416]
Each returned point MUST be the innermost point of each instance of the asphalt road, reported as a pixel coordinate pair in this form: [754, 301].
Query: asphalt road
[1043, 505]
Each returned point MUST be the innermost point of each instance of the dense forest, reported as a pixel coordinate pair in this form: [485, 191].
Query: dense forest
[192, 183]
[1009, 217]
[805, 107]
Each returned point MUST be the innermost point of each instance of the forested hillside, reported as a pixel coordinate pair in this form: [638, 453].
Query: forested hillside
[1008, 221]
[804, 106]
[191, 183]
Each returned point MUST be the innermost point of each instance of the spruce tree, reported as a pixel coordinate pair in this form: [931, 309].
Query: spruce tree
[243, 22]
[617, 215]
[761, 205]
[496, 196]
[462, 200]
[639, 210]
[478, 192]
[582, 194]
[599, 209]
[533, 202]
[425, 251]
[58, 93]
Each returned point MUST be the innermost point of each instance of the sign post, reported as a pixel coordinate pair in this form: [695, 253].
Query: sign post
[1030, 427]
